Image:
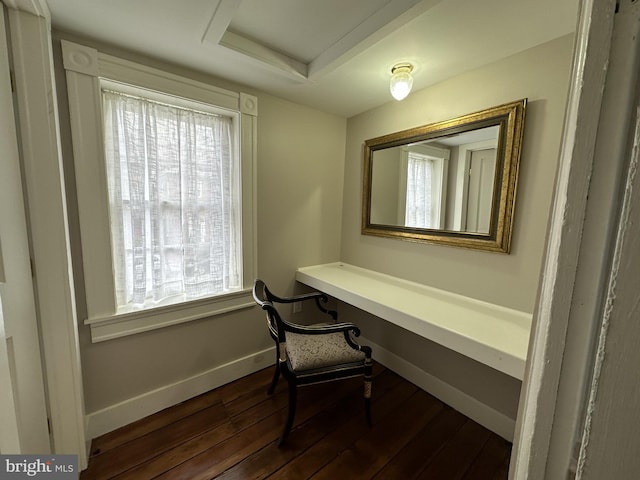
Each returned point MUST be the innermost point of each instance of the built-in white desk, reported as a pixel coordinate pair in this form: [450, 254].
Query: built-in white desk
[491, 334]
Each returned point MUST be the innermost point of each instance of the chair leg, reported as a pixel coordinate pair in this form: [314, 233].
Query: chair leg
[276, 377]
[368, 378]
[367, 400]
[293, 393]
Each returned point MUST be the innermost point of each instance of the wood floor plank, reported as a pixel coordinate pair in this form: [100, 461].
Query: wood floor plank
[503, 471]
[182, 453]
[423, 448]
[456, 457]
[236, 389]
[216, 460]
[179, 454]
[266, 461]
[153, 422]
[365, 457]
[269, 404]
[250, 398]
[330, 447]
[491, 458]
[135, 452]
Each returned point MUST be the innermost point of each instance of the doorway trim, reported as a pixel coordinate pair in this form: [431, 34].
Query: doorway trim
[554, 308]
[48, 225]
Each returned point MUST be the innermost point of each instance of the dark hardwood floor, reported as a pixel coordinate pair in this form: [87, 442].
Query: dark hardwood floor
[231, 433]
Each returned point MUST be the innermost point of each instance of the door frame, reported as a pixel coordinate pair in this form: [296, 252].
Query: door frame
[23, 407]
[39, 138]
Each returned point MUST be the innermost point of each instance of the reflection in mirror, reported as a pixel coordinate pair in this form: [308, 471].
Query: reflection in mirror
[444, 183]
[451, 182]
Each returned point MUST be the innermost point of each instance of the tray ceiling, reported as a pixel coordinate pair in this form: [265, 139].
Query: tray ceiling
[334, 55]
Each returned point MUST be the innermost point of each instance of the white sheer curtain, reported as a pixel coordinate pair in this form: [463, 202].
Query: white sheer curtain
[418, 199]
[174, 201]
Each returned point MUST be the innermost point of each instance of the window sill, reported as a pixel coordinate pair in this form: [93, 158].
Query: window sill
[122, 324]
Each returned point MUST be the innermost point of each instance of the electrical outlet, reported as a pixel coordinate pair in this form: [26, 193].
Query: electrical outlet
[297, 307]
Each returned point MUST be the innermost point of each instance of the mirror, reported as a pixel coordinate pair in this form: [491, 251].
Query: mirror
[451, 182]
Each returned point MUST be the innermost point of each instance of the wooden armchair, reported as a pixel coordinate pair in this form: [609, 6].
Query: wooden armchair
[313, 354]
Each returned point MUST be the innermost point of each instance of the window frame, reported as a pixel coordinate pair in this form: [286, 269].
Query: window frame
[85, 69]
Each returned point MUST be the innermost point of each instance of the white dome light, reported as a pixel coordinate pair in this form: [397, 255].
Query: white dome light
[401, 80]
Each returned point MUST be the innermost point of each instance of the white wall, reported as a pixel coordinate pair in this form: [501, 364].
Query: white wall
[540, 74]
[300, 183]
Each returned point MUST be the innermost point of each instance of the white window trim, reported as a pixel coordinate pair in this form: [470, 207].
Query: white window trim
[440, 157]
[85, 68]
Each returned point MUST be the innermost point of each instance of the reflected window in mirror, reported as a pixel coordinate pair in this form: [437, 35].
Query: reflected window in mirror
[425, 168]
[409, 186]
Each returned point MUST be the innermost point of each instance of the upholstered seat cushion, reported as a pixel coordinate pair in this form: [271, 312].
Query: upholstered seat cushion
[307, 352]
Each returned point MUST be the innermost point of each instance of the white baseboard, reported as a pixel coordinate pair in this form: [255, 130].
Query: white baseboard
[471, 407]
[128, 411]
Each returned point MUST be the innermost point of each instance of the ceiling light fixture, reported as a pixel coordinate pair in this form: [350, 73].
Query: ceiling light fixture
[401, 80]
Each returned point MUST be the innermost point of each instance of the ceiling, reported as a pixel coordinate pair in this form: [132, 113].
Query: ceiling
[333, 55]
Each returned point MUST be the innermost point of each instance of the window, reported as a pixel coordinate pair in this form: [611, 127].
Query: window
[174, 201]
[419, 191]
[165, 178]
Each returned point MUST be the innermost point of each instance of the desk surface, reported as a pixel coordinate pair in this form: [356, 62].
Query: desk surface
[491, 334]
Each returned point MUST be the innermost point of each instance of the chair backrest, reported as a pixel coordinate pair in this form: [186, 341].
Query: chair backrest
[264, 298]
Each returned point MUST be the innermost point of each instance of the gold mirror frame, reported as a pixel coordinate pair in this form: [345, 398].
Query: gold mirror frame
[510, 120]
